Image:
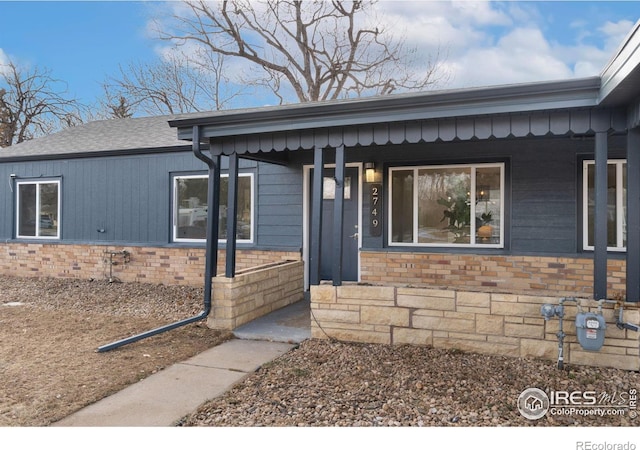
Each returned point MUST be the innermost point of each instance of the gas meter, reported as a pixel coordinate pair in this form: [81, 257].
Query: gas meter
[590, 330]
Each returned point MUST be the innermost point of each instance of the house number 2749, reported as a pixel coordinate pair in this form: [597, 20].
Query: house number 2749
[375, 201]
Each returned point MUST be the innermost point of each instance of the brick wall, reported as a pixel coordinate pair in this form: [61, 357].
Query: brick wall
[254, 293]
[483, 322]
[562, 276]
[161, 265]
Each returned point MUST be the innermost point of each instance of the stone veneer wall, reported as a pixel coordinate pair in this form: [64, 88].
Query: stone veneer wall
[254, 293]
[565, 276]
[483, 322]
[161, 265]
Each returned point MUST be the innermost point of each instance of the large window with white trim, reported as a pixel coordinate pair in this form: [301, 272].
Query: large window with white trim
[447, 205]
[190, 208]
[38, 209]
[616, 204]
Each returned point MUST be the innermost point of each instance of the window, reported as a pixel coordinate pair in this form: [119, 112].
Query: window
[459, 205]
[616, 205]
[190, 208]
[38, 211]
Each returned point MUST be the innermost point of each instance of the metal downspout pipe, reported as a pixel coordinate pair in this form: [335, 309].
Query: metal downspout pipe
[211, 252]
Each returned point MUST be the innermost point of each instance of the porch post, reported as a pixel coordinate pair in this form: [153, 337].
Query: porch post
[232, 216]
[213, 214]
[316, 216]
[600, 218]
[633, 215]
[338, 217]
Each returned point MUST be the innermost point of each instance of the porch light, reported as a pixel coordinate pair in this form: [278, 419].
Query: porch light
[370, 172]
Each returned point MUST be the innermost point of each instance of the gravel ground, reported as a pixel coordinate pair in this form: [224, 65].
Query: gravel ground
[324, 383]
[321, 383]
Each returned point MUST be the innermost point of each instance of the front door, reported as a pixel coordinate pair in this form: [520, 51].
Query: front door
[350, 225]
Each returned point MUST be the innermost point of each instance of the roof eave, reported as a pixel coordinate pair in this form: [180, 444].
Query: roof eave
[93, 154]
[575, 93]
[619, 73]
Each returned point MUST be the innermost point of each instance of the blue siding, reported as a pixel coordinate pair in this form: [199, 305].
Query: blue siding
[130, 198]
[542, 207]
[279, 217]
[544, 200]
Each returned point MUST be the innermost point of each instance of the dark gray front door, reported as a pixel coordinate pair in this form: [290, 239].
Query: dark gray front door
[350, 227]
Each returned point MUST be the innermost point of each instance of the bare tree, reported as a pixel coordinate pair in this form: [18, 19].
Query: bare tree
[173, 85]
[5, 120]
[121, 109]
[311, 50]
[32, 104]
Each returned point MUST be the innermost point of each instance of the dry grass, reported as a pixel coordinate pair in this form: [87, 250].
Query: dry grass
[49, 366]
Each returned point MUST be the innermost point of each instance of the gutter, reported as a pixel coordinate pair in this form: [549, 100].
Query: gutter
[90, 154]
[211, 252]
[625, 61]
[574, 93]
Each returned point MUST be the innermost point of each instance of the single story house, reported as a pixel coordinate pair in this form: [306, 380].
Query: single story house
[444, 218]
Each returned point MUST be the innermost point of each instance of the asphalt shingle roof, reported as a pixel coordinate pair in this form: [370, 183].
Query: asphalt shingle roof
[101, 136]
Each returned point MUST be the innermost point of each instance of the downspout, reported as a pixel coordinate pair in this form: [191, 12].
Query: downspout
[211, 251]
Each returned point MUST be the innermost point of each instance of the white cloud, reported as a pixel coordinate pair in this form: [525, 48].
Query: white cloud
[590, 59]
[522, 55]
[432, 24]
[4, 59]
[615, 32]
[489, 43]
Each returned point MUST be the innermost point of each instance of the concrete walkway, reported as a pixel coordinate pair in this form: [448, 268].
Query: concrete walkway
[165, 397]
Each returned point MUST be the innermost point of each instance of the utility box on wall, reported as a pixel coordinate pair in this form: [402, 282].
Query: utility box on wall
[590, 330]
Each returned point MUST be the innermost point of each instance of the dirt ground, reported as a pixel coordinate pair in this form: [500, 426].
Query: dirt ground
[50, 331]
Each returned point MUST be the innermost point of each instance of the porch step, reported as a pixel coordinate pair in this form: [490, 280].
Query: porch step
[291, 324]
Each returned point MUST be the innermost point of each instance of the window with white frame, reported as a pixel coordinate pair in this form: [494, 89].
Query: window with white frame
[190, 208]
[38, 209]
[447, 205]
[616, 204]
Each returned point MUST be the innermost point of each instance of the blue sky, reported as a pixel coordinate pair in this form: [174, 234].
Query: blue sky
[485, 42]
[80, 42]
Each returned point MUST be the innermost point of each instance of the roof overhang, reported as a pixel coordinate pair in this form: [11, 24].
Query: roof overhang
[621, 76]
[496, 100]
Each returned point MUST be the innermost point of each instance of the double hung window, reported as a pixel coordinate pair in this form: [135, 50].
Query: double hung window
[190, 208]
[452, 205]
[38, 209]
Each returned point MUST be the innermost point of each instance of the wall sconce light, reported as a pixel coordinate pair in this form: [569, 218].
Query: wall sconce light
[370, 172]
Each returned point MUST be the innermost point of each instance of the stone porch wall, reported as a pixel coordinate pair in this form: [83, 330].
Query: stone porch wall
[254, 293]
[564, 276]
[160, 265]
[483, 322]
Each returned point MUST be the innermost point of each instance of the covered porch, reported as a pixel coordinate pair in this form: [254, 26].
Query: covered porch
[410, 129]
[550, 146]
